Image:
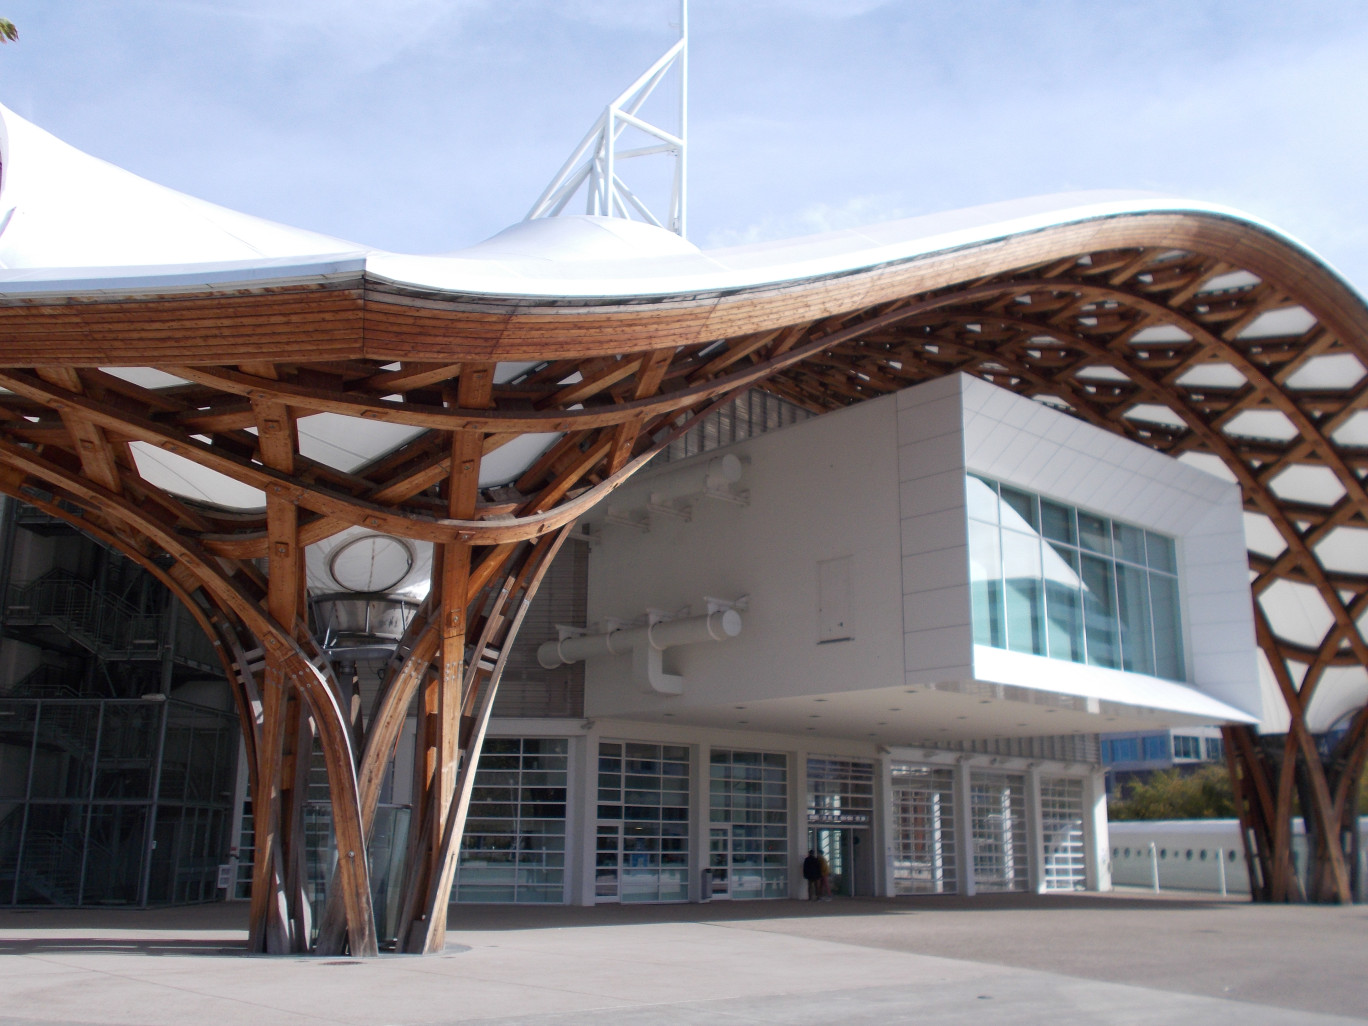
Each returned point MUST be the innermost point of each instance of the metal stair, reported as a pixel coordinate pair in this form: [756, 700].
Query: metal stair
[47, 681]
[101, 624]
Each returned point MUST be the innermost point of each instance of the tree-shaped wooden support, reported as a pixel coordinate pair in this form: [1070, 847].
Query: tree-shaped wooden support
[1166, 328]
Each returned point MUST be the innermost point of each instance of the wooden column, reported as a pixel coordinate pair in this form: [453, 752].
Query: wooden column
[423, 929]
[279, 918]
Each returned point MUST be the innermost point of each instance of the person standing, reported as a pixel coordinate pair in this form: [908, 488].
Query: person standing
[812, 873]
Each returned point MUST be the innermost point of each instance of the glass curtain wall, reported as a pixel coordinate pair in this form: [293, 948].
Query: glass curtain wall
[514, 844]
[513, 850]
[748, 815]
[113, 802]
[643, 822]
[748, 415]
[1052, 580]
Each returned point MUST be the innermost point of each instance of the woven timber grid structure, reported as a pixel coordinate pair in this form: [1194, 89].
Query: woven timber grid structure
[1070, 315]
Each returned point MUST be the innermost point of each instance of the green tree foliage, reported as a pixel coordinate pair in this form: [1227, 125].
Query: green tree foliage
[1205, 794]
[8, 33]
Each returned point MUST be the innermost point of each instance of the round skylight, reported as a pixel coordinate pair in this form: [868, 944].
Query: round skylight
[372, 562]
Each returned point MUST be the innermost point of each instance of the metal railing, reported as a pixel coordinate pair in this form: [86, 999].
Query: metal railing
[47, 681]
[49, 862]
[99, 623]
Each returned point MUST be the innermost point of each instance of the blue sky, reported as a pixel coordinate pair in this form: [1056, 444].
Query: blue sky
[427, 125]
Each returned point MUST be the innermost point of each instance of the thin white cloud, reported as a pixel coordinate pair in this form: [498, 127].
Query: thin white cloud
[828, 10]
[363, 34]
[647, 15]
[812, 219]
[640, 15]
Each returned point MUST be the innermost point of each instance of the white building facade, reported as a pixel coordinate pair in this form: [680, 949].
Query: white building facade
[943, 596]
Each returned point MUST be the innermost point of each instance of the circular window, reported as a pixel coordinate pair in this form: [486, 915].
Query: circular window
[1163, 853]
[1127, 853]
[372, 562]
[1203, 855]
[1189, 854]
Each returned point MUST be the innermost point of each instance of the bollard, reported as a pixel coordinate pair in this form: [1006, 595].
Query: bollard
[1154, 867]
[1220, 869]
[1363, 872]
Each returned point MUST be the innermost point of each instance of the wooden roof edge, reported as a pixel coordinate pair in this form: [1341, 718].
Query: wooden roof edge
[520, 326]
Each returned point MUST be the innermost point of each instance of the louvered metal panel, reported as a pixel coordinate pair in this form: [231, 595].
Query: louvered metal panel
[527, 689]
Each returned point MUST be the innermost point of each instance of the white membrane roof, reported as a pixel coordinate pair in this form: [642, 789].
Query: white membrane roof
[73, 224]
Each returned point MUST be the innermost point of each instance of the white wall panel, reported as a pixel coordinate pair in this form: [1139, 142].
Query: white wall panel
[932, 532]
[938, 633]
[822, 490]
[931, 571]
[934, 455]
[943, 607]
[932, 494]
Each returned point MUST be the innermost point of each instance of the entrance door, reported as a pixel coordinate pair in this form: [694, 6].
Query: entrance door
[719, 861]
[998, 820]
[836, 845]
[608, 863]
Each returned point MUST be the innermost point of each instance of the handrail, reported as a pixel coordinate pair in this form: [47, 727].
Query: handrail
[45, 681]
[97, 620]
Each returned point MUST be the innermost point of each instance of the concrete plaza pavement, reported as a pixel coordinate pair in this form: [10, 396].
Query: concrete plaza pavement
[1114, 958]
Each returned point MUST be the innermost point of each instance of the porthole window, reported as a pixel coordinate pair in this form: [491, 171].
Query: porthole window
[1189, 854]
[1202, 856]
[1163, 853]
[1116, 852]
[1127, 853]
[1232, 856]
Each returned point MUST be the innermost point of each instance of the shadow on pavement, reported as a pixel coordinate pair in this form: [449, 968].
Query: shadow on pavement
[119, 946]
[522, 917]
[220, 929]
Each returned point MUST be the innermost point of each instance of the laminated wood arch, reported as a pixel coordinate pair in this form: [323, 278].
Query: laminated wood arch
[1198, 334]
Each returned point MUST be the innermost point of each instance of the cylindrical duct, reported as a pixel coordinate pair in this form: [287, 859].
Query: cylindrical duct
[718, 626]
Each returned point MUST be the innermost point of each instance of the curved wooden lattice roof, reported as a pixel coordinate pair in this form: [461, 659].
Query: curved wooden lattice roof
[1194, 333]
[1203, 334]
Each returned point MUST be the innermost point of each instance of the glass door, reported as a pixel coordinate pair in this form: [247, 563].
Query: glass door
[835, 845]
[643, 821]
[608, 862]
[1061, 814]
[719, 861]
[924, 830]
[997, 816]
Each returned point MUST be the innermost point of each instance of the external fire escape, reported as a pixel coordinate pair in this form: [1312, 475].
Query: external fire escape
[93, 650]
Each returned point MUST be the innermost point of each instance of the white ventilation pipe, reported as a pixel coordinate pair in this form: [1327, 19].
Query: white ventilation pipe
[715, 477]
[646, 645]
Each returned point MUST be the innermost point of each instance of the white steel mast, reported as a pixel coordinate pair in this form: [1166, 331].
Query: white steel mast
[594, 164]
